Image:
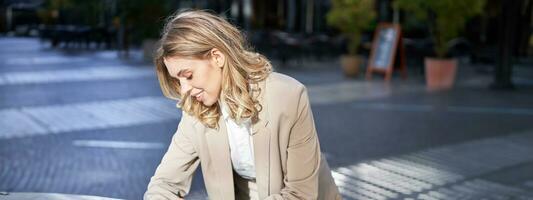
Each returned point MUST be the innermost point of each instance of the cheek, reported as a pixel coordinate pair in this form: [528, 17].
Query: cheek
[214, 81]
[208, 78]
[217, 81]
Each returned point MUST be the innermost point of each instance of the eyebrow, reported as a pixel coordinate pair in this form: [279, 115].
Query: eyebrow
[179, 72]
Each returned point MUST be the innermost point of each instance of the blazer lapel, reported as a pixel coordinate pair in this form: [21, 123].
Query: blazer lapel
[219, 150]
[261, 144]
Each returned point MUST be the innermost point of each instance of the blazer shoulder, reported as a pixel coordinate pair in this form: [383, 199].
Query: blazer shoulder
[284, 94]
[187, 122]
[284, 83]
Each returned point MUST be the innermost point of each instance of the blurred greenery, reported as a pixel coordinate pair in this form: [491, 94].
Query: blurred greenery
[352, 17]
[446, 18]
[142, 19]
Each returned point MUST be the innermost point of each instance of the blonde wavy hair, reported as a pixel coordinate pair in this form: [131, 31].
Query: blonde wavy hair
[193, 34]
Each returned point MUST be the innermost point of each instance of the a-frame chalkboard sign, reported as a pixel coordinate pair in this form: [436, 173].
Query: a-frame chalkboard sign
[386, 46]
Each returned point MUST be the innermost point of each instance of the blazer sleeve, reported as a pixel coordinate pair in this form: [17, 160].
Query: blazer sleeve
[174, 174]
[303, 155]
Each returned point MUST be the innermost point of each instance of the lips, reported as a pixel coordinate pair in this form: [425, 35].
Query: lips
[198, 96]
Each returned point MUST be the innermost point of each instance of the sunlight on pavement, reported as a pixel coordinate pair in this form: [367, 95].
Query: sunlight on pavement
[448, 172]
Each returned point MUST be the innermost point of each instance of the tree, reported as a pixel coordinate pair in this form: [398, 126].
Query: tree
[446, 18]
[352, 17]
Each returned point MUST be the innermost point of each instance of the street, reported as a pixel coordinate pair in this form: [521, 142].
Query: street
[88, 123]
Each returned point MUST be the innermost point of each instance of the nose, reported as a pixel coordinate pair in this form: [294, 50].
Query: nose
[185, 87]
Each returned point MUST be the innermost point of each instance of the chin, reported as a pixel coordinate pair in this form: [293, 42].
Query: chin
[208, 103]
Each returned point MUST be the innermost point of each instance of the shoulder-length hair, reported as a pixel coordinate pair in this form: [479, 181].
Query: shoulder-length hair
[193, 34]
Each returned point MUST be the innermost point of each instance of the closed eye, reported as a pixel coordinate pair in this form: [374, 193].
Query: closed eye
[188, 75]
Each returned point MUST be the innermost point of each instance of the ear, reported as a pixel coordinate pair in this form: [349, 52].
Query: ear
[217, 57]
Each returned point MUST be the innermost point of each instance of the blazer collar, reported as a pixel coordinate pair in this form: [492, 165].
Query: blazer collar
[262, 120]
[218, 148]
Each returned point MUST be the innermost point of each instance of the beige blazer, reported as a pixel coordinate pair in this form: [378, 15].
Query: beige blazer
[288, 160]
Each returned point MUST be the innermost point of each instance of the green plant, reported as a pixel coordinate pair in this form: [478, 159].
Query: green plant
[352, 17]
[446, 18]
[144, 17]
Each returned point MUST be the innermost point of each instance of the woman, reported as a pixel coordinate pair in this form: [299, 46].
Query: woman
[251, 129]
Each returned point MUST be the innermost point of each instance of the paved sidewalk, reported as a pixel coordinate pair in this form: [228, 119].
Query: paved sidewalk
[88, 123]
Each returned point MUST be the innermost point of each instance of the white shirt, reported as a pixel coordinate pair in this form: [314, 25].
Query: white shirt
[241, 144]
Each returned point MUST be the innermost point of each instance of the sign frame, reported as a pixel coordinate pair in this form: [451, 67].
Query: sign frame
[397, 45]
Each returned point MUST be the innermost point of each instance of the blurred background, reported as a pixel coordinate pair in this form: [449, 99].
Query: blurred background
[448, 116]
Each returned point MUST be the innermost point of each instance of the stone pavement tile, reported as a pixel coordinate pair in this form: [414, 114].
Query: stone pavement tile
[86, 116]
[519, 176]
[76, 92]
[473, 169]
[55, 163]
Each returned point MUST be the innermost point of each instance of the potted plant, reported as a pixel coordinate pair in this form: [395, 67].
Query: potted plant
[351, 17]
[446, 20]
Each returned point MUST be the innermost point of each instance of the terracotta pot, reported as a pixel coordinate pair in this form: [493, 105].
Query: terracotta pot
[350, 65]
[440, 73]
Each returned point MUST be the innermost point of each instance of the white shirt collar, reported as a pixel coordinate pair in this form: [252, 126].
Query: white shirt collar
[224, 108]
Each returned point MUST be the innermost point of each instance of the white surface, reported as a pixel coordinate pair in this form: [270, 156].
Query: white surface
[48, 196]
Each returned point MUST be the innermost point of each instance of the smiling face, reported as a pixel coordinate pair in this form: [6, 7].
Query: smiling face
[203, 77]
